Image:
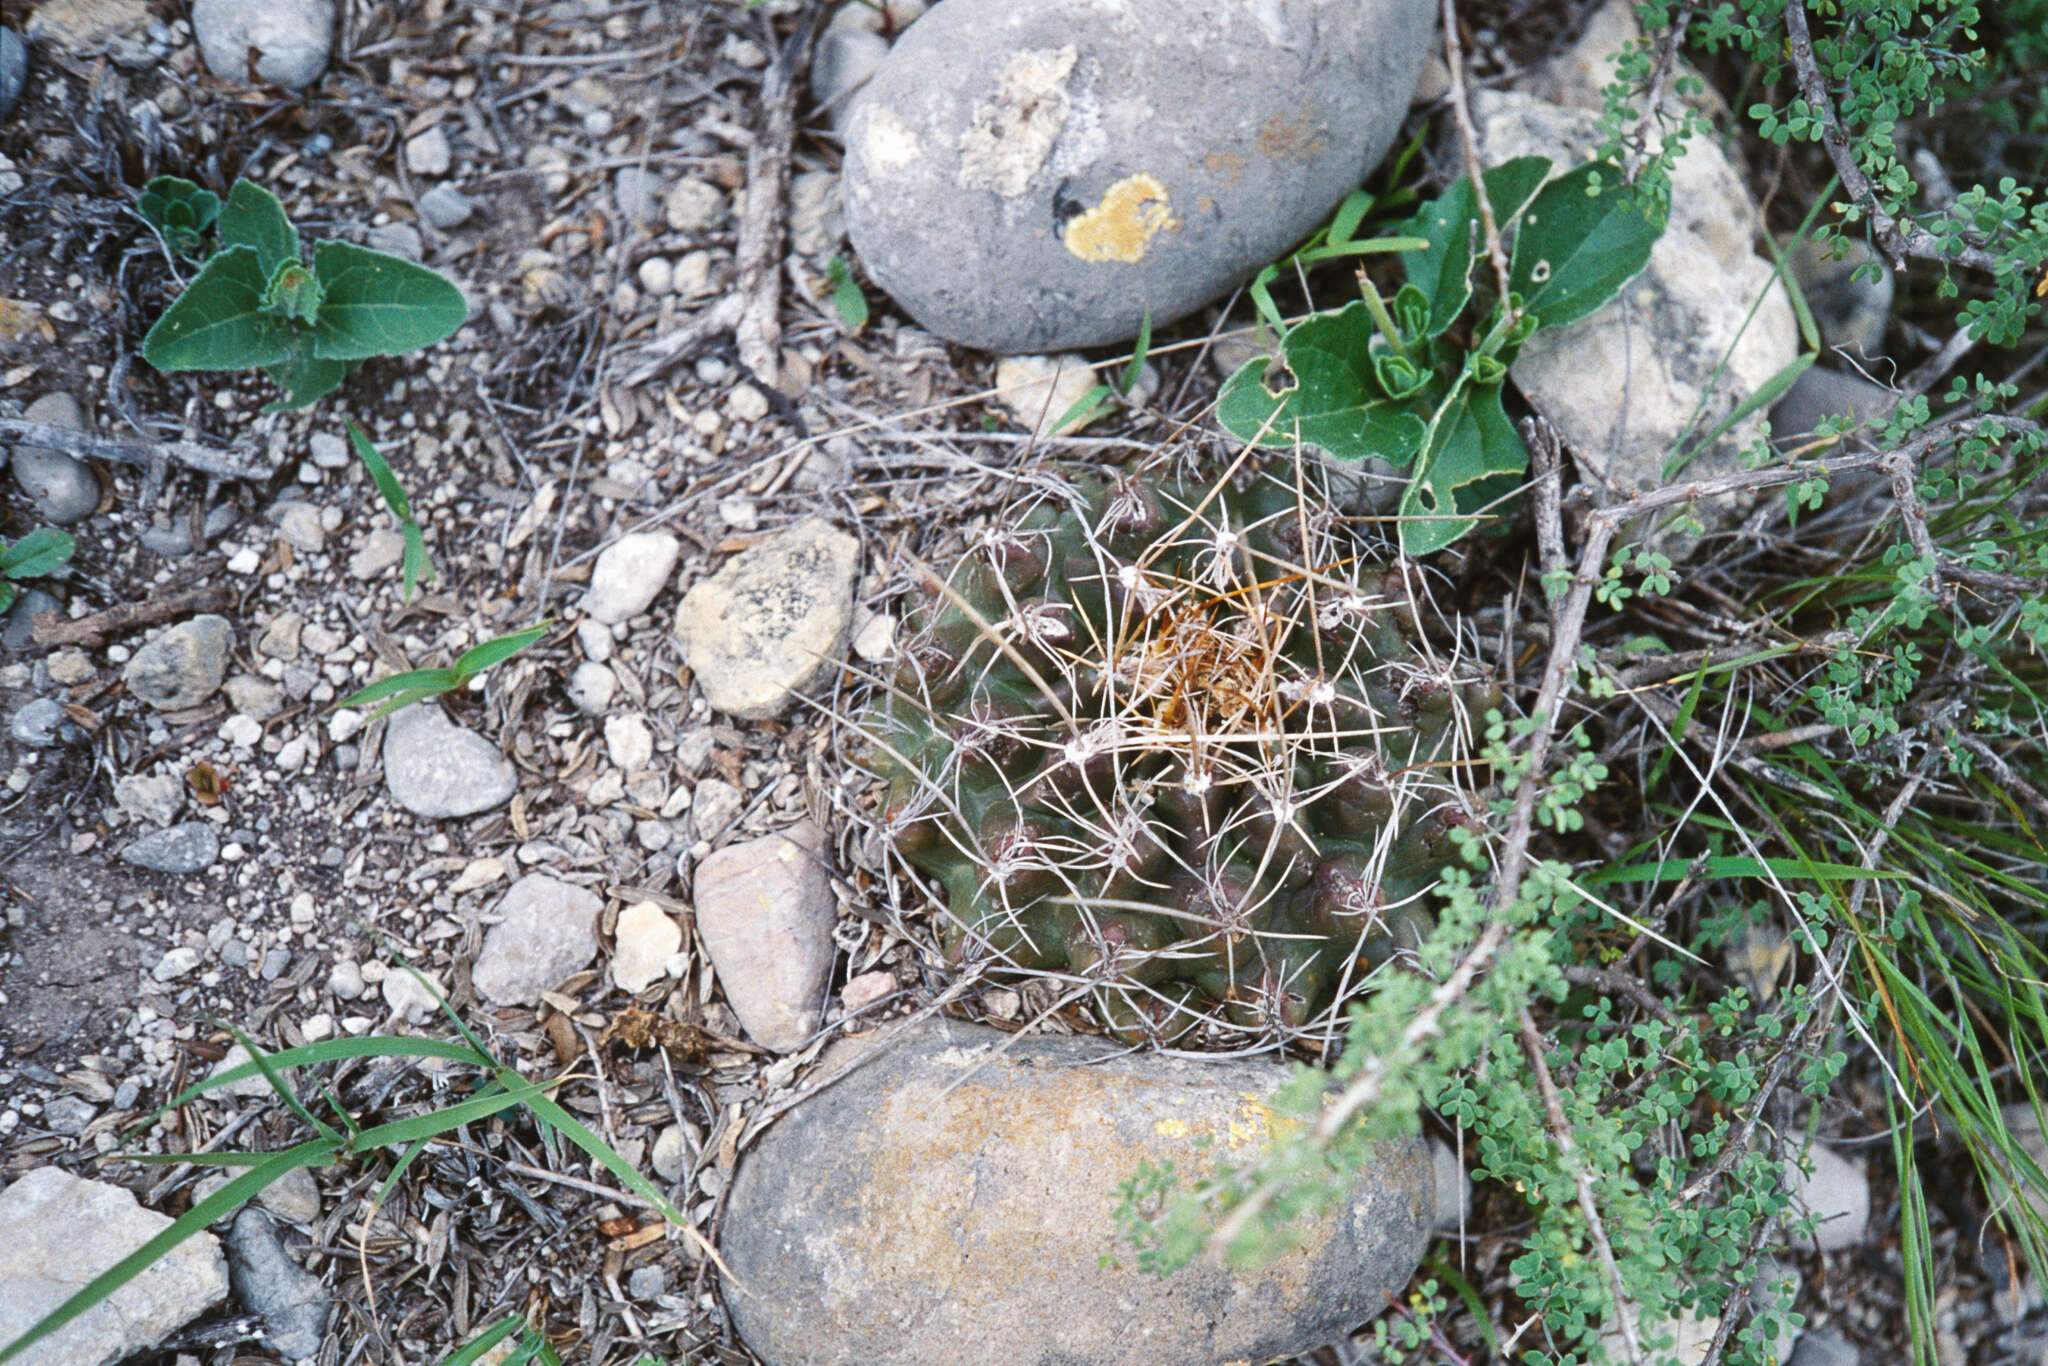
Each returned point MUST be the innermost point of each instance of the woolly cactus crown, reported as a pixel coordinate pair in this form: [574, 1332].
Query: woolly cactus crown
[1179, 743]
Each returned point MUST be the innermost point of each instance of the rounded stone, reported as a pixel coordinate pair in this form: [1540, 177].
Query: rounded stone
[949, 1202]
[280, 42]
[437, 769]
[629, 575]
[773, 621]
[190, 847]
[182, 665]
[39, 723]
[63, 488]
[1032, 175]
[546, 930]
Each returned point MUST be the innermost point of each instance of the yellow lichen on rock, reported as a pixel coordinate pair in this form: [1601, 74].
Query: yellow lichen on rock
[1134, 211]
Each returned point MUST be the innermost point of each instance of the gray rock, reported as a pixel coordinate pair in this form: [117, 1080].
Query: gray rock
[282, 42]
[189, 847]
[39, 723]
[345, 979]
[182, 665]
[293, 1197]
[1825, 1349]
[445, 207]
[153, 797]
[671, 1156]
[948, 1202]
[13, 69]
[773, 621]
[764, 911]
[412, 999]
[548, 930]
[1453, 1186]
[429, 153]
[645, 1282]
[637, 191]
[290, 1300]
[399, 239]
[57, 1232]
[715, 804]
[817, 213]
[437, 769]
[1851, 313]
[63, 489]
[1035, 175]
[2025, 1127]
[68, 1115]
[1837, 1193]
[1678, 349]
[591, 687]
[329, 450]
[1828, 393]
[629, 575]
[381, 549]
[21, 622]
[644, 941]
[842, 63]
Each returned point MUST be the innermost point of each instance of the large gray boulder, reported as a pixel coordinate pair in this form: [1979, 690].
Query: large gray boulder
[1034, 175]
[947, 1203]
[58, 1232]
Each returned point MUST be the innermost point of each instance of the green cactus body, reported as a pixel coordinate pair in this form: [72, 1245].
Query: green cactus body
[1179, 743]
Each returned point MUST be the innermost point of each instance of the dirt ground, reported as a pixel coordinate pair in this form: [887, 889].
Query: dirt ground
[525, 452]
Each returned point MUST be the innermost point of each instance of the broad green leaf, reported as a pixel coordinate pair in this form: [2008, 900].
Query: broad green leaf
[1574, 249]
[179, 211]
[1472, 441]
[496, 651]
[304, 377]
[1450, 225]
[847, 301]
[218, 323]
[378, 304]
[254, 218]
[1334, 403]
[36, 554]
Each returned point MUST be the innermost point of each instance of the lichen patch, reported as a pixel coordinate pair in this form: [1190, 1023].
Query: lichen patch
[888, 142]
[1133, 211]
[1014, 130]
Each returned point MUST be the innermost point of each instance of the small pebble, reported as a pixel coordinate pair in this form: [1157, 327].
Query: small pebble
[429, 153]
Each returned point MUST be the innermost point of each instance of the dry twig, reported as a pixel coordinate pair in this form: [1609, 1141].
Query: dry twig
[97, 629]
[132, 450]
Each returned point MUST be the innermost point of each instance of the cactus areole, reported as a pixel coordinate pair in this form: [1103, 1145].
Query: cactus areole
[1178, 743]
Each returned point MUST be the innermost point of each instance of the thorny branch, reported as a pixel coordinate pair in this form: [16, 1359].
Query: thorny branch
[1898, 243]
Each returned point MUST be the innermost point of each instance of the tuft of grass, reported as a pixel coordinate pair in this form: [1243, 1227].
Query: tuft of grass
[416, 685]
[338, 1137]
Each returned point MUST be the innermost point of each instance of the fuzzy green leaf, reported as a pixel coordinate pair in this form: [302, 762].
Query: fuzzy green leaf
[1335, 401]
[254, 218]
[218, 323]
[36, 554]
[293, 292]
[1574, 248]
[1450, 225]
[1472, 444]
[847, 301]
[378, 304]
[179, 211]
[304, 377]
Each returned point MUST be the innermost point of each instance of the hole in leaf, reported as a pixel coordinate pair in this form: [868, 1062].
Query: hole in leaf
[1540, 272]
[1279, 381]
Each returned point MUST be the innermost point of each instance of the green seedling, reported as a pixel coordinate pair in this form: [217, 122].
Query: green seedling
[180, 212]
[847, 301]
[1089, 406]
[256, 302]
[416, 685]
[341, 1138]
[1396, 382]
[39, 553]
[417, 566]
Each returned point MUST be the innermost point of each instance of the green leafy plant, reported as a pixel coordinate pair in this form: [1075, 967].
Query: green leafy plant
[1180, 741]
[180, 212]
[340, 1137]
[416, 685]
[417, 565]
[1397, 382]
[40, 552]
[847, 301]
[256, 302]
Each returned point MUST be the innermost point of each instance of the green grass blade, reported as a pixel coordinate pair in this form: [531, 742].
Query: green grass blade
[280, 1086]
[327, 1050]
[493, 652]
[424, 682]
[439, 1122]
[380, 472]
[473, 1350]
[549, 1112]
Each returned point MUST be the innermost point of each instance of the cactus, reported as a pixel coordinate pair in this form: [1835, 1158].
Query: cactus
[1180, 745]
